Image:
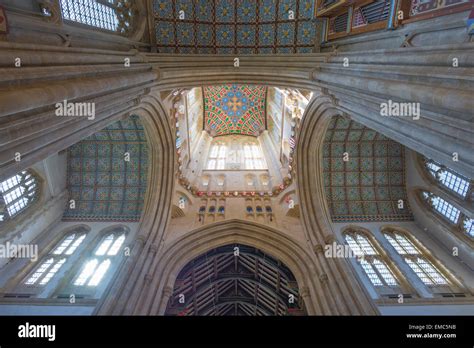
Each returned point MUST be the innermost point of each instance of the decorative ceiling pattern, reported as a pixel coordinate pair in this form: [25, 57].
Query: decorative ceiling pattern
[235, 26]
[369, 185]
[235, 280]
[107, 174]
[234, 109]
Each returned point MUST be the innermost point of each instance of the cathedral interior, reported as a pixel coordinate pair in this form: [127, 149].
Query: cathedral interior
[236, 157]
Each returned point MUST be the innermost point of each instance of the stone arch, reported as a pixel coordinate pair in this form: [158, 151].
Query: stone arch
[268, 273]
[343, 290]
[197, 242]
[125, 288]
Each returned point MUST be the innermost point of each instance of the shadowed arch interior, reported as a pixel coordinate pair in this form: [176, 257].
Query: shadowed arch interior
[235, 279]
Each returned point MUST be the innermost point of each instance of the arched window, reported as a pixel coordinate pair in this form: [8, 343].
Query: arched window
[253, 157]
[421, 265]
[56, 258]
[447, 210]
[372, 262]
[102, 258]
[217, 157]
[468, 226]
[458, 187]
[448, 178]
[97, 13]
[16, 193]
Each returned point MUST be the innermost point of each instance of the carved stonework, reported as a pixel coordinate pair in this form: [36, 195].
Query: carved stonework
[318, 248]
[304, 292]
[126, 13]
[51, 10]
[323, 277]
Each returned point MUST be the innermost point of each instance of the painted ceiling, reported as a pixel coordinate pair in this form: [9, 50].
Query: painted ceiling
[235, 26]
[103, 184]
[234, 109]
[368, 186]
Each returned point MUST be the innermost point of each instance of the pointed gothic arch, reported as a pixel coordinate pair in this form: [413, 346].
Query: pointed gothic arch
[170, 260]
[156, 212]
[344, 290]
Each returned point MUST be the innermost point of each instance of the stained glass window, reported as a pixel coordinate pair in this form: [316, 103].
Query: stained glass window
[370, 259]
[16, 193]
[56, 259]
[96, 267]
[448, 178]
[424, 269]
[444, 208]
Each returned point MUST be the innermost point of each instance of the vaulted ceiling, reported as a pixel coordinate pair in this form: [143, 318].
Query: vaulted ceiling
[235, 26]
[222, 282]
[369, 185]
[234, 109]
[105, 183]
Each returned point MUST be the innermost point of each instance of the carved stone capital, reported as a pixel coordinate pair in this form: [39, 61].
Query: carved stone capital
[323, 277]
[168, 291]
[329, 238]
[304, 291]
[318, 248]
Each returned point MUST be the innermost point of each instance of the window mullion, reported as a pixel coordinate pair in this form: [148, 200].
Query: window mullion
[376, 269]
